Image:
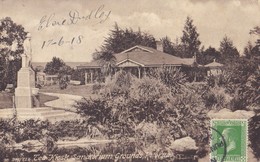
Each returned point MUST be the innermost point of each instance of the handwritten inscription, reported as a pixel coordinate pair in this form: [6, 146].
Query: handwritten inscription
[73, 18]
[61, 41]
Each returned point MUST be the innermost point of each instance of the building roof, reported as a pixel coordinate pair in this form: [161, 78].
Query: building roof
[92, 64]
[39, 67]
[214, 64]
[146, 57]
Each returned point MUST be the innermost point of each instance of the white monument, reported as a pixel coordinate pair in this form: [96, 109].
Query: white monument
[25, 79]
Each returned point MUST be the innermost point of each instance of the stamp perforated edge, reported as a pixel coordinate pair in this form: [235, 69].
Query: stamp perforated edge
[246, 132]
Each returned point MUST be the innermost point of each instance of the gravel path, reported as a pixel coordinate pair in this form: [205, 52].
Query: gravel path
[65, 101]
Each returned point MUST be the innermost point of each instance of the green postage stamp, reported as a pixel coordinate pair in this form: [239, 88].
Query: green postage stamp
[229, 140]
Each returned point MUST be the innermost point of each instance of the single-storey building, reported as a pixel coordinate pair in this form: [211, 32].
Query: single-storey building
[138, 60]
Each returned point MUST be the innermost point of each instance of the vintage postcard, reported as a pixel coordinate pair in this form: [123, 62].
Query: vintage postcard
[130, 80]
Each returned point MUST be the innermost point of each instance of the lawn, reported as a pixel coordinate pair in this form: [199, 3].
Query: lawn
[6, 99]
[80, 90]
[46, 98]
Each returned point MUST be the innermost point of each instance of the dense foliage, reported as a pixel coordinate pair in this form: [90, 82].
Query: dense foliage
[34, 129]
[127, 104]
[209, 55]
[164, 99]
[58, 67]
[240, 80]
[12, 36]
[228, 52]
[168, 46]
[53, 67]
[172, 77]
[107, 61]
[45, 132]
[254, 131]
[251, 51]
[190, 39]
[120, 40]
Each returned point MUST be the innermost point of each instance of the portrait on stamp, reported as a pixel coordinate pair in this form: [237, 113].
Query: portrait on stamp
[232, 134]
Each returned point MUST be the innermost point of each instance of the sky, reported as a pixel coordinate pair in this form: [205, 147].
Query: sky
[73, 29]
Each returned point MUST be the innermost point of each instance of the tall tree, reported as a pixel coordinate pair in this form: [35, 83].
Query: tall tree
[12, 37]
[120, 40]
[227, 50]
[107, 61]
[248, 50]
[179, 48]
[168, 46]
[190, 39]
[54, 66]
[207, 56]
[251, 51]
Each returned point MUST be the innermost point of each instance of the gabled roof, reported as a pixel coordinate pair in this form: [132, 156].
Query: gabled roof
[146, 57]
[130, 63]
[137, 47]
[151, 57]
[214, 64]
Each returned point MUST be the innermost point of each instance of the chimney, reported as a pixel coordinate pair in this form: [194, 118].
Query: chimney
[159, 46]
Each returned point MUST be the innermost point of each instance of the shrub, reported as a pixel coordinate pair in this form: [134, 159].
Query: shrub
[30, 130]
[239, 81]
[222, 80]
[210, 81]
[119, 85]
[172, 77]
[54, 66]
[75, 128]
[237, 103]
[36, 130]
[147, 100]
[127, 102]
[63, 81]
[154, 133]
[148, 89]
[246, 96]
[216, 98]
[96, 88]
[96, 111]
[210, 99]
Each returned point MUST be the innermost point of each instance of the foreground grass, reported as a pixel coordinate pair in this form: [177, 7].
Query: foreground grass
[6, 99]
[46, 98]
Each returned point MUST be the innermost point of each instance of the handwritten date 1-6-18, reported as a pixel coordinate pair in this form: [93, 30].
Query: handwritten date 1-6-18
[61, 41]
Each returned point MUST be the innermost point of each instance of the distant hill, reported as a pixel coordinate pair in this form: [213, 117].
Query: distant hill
[71, 64]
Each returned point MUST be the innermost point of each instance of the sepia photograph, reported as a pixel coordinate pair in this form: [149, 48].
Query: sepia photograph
[129, 80]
